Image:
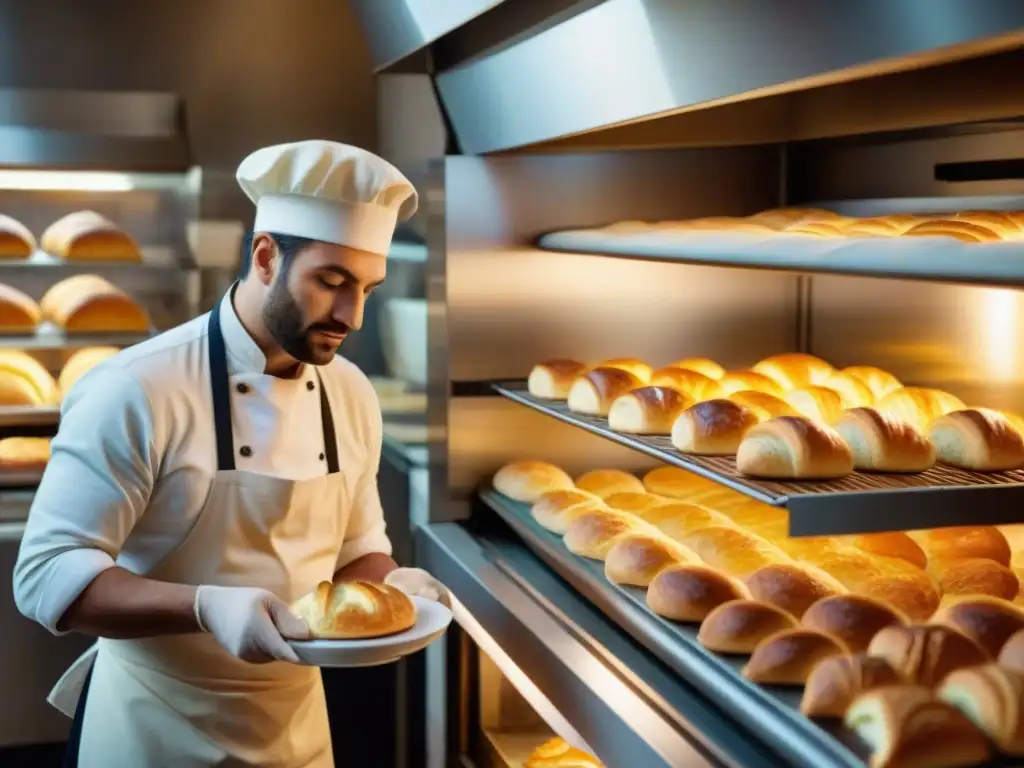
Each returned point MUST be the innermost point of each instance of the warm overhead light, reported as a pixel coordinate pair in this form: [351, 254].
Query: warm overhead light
[80, 181]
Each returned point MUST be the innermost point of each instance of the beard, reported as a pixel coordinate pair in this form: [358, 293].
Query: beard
[283, 318]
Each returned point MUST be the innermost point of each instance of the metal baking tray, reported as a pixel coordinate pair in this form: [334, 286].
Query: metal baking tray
[858, 503]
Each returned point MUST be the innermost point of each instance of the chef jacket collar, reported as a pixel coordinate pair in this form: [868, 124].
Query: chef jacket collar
[243, 353]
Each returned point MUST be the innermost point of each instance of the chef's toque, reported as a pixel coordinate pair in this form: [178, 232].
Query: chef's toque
[325, 191]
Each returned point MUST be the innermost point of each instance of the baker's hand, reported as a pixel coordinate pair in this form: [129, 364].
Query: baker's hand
[250, 624]
[417, 582]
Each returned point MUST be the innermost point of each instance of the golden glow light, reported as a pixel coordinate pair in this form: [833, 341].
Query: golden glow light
[79, 181]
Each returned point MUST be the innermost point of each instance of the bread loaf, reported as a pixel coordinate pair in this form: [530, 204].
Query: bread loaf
[88, 236]
[738, 626]
[676, 483]
[964, 231]
[853, 619]
[556, 509]
[732, 550]
[925, 654]
[594, 532]
[791, 448]
[988, 621]
[677, 519]
[834, 683]
[852, 389]
[712, 428]
[634, 503]
[16, 241]
[780, 218]
[979, 439]
[79, 364]
[907, 727]
[696, 385]
[817, 229]
[24, 454]
[19, 314]
[604, 482]
[881, 442]
[90, 304]
[795, 371]
[787, 657]
[793, 587]
[891, 544]
[738, 381]
[529, 480]
[881, 226]
[819, 404]
[688, 592]
[632, 365]
[764, 406]
[962, 542]
[636, 558]
[557, 753]
[17, 391]
[594, 392]
[355, 609]
[974, 576]
[552, 379]
[1012, 655]
[992, 698]
[647, 410]
[880, 382]
[17, 364]
[919, 406]
[709, 368]
[1002, 222]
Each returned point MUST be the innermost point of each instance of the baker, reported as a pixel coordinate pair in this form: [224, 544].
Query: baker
[203, 480]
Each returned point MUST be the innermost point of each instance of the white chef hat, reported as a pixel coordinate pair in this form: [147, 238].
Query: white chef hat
[326, 191]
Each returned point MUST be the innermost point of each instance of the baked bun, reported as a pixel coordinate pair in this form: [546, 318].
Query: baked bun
[992, 698]
[355, 609]
[16, 241]
[764, 406]
[925, 654]
[852, 390]
[919, 406]
[793, 587]
[676, 483]
[551, 379]
[964, 541]
[1012, 655]
[647, 410]
[1004, 222]
[816, 403]
[604, 482]
[787, 657]
[838, 680]
[24, 454]
[963, 231]
[593, 532]
[19, 314]
[79, 364]
[556, 509]
[988, 621]
[979, 439]
[791, 448]
[712, 428]
[88, 236]
[690, 591]
[17, 391]
[881, 442]
[709, 368]
[636, 503]
[891, 544]
[816, 229]
[557, 753]
[636, 558]
[638, 368]
[738, 381]
[881, 226]
[738, 626]
[853, 619]
[794, 371]
[733, 550]
[529, 480]
[974, 576]
[880, 382]
[594, 392]
[905, 726]
[677, 519]
[696, 385]
[780, 218]
[41, 387]
[90, 304]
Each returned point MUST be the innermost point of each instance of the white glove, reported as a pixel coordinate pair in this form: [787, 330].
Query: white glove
[417, 582]
[250, 624]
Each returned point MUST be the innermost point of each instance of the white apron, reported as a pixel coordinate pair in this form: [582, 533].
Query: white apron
[182, 701]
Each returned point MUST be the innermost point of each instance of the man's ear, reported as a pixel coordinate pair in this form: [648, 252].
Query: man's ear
[264, 257]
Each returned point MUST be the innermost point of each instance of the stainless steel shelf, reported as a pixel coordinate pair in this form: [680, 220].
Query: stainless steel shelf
[47, 338]
[858, 503]
[154, 260]
[28, 416]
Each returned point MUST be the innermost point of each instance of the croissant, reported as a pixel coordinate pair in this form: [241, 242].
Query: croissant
[924, 655]
[993, 699]
[355, 609]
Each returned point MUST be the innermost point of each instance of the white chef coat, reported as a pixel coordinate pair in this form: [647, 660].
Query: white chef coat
[135, 456]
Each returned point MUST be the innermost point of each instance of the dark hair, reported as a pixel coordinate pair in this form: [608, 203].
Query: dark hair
[287, 245]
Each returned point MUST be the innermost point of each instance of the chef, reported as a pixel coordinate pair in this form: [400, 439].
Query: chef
[203, 480]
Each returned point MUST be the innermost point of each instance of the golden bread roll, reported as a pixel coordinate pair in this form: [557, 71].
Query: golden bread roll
[632, 365]
[792, 448]
[634, 502]
[881, 442]
[24, 454]
[838, 680]
[891, 544]
[988, 621]
[594, 392]
[905, 726]
[79, 364]
[647, 410]
[738, 381]
[733, 550]
[593, 532]
[852, 389]
[992, 698]
[19, 314]
[853, 619]
[677, 519]
[795, 370]
[793, 587]
[690, 591]
[789, 656]
[16, 241]
[979, 439]
[702, 365]
[816, 403]
[17, 390]
[764, 406]
[1001, 221]
[964, 541]
[738, 626]
[1012, 655]
[881, 226]
[604, 482]
[16, 363]
[90, 304]
[552, 379]
[355, 609]
[919, 406]
[925, 654]
[816, 229]
[963, 231]
[558, 753]
[529, 480]
[780, 218]
[676, 483]
[696, 385]
[636, 558]
[556, 509]
[974, 576]
[803, 546]
[880, 382]
[712, 428]
[88, 236]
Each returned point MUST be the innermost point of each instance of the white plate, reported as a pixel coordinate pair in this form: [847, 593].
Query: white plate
[432, 619]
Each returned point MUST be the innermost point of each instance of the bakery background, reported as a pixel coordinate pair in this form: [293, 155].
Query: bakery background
[548, 140]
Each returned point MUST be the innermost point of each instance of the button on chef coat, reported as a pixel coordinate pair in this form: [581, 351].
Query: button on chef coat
[135, 457]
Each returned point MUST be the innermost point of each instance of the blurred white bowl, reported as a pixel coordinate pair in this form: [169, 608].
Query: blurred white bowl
[404, 339]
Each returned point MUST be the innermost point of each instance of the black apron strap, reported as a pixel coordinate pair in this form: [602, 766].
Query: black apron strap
[330, 439]
[75, 736]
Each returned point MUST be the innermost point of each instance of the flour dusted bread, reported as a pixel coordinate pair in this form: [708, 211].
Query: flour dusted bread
[593, 393]
[819, 404]
[738, 381]
[991, 697]
[18, 312]
[355, 609]
[696, 385]
[636, 558]
[16, 241]
[712, 428]
[879, 381]
[791, 448]
[703, 365]
[558, 753]
[882, 442]
[853, 619]
[979, 439]
[789, 656]
[529, 480]
[88, 236]
[24, 454]
[794, 371]
[738, 626]
[556, 509]
[25, 375]
[688, 592]
[919, 406]
[79, 364]
[605, 482]
[924, 654]
[835, 682]
[648, 410]
[552, 379]
[90, 304]
[988, 621]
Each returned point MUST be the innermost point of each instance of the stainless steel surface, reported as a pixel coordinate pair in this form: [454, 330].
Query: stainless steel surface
[28, 415]
[627, 60]
[52, 340]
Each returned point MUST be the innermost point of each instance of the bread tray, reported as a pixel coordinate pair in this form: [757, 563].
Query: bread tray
[858, 503]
